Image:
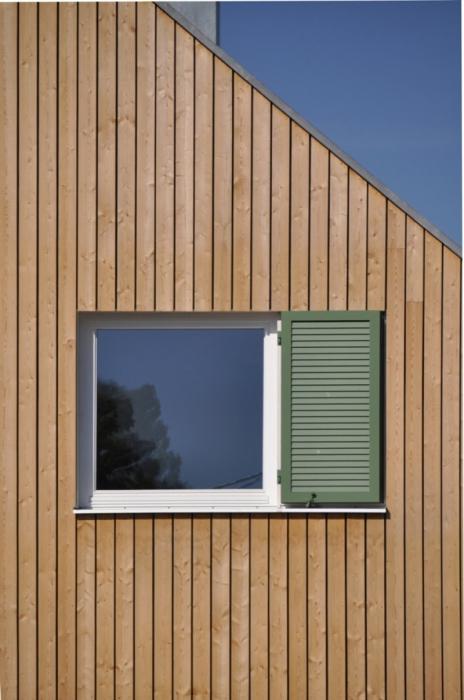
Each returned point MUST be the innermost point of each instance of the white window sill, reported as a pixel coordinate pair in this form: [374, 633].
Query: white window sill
[189, 510]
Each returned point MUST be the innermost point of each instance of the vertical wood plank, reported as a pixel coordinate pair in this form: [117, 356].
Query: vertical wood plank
[357, 242]
[27, 353]
[297, 605]
[299, 234]
[375, 608]
[240, 607]
[317, 602]
[203, 179]
[336, 602]
[8, 345]
[164, 208]
[241, 192]
[143, 609]
[106, 154]
[395, 452]
[261, 197]
[338, 221]
[223, 116]
[124, 608]
[86, 157]
[319, 234]
[413, 460]
[259, 607]
[450, 476]
[278, 639]
[85, 611]
[220, 607]
[375, 527]
[182, 561]
[185, 100]
[105, 622]
[432, 467]
[47, 351]
[355, 607]
[280, 194]
[126, 89]
[145, 150]
[66, 526]
[163, 607]
[201, 613]
[356, 651]
[376, 263]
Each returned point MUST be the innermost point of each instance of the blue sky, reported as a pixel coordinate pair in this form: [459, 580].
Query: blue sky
[380, 79]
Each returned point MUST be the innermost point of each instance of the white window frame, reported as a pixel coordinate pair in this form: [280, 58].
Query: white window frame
[176, 500]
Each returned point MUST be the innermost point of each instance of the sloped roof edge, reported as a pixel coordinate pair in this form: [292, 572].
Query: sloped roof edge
[305, 124]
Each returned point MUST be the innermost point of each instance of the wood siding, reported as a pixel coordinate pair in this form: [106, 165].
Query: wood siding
[139, 172]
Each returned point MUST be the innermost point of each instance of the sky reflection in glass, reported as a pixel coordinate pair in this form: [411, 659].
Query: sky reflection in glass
[179, 408]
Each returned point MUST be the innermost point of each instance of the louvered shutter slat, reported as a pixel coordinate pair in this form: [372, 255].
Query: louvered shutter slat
[330, 407]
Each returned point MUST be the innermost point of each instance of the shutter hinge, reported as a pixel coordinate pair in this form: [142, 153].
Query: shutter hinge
[279, 476]
[279, 337]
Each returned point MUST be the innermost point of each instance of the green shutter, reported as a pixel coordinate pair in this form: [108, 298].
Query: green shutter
[331, 407]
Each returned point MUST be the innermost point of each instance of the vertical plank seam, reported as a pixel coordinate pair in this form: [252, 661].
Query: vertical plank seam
[37, 349]
[213, 198]
[346, 596]
[287, 600]
[308, 301]
[290, 204]
[134, 520]
[347, 247]
[404, 454]
[153, 557]
[115, 641]
[326, 609]
[249, 591]
[366, 279]
[116, 162]
[230, 603]
[174, 190]
[95, 590]
[271, 127]
[172, 556]
[364, 519]
[329, 174]
[97, 144]
[57, 297]
[17, 343]
[268, 604]
[306, 591]
[422, 472]
[460, 479]
[232, 196]
[194, 158]
[252, 119]
[441, 478]
[155, 180]
[136, 166]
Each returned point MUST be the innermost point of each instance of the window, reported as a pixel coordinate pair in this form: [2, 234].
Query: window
[178, 410]
[205, 411]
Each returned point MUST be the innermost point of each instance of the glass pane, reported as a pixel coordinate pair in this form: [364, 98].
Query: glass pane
[179, 409]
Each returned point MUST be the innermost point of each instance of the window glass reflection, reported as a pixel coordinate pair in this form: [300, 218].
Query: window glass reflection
[179, 408]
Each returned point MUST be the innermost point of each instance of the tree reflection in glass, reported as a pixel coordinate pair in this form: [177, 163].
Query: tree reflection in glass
[130, 458]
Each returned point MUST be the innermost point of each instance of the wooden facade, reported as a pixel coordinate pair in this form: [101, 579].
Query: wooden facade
[139, 172]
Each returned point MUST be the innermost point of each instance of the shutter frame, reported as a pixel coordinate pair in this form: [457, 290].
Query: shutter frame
[341, 495]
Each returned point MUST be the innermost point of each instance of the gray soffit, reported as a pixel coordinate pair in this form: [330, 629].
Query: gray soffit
[412, 213]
